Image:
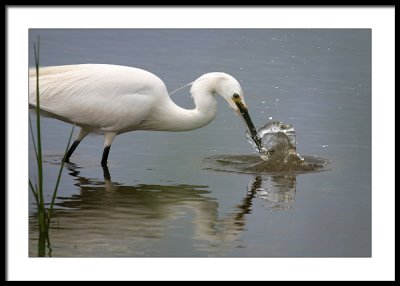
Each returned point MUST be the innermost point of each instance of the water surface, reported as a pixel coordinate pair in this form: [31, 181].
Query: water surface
[164, 199]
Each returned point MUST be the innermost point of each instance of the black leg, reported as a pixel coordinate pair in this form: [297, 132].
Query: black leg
[105, 156]
[70, 151]
[106, 173]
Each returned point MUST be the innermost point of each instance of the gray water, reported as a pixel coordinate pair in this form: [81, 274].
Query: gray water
[164, 199]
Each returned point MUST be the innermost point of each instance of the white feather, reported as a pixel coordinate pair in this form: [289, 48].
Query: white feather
[116, 99]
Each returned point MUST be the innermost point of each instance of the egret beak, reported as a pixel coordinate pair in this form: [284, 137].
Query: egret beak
[249, 124]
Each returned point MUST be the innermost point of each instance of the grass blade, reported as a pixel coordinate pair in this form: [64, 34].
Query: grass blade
[33, 137]
[41, 205]
[33, 191]
[58, 180]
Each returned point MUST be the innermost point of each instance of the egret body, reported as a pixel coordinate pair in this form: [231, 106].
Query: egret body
[114, 99]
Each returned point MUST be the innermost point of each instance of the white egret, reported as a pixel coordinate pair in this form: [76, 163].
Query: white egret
[114, 99]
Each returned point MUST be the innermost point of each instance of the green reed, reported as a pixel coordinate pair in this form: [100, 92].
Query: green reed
[44, 214]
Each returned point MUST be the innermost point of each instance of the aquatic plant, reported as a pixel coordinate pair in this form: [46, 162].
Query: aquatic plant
[43, 214]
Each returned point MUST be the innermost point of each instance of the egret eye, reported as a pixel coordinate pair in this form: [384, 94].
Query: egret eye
[236, 96]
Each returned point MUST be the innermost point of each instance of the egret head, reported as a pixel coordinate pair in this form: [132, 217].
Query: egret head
[229, 88]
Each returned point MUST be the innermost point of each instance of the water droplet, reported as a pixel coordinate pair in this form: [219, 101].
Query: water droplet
[291, 118]
[276, 86]
[324, 146]
[263, 101]
[270, 118]
[317, 47]
[276, 99]
[293, 56]
[274, 39]
[339, 107]
[262, 111]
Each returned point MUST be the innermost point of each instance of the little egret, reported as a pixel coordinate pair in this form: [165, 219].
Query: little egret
[115, 99]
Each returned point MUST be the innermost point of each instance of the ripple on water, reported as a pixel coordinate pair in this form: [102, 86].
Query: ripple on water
[276, 148]
[253, 164]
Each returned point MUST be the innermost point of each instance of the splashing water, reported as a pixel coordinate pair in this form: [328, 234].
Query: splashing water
[275, 146]
[278, 143]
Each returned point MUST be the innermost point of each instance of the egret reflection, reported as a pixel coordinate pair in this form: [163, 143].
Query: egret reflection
[275, 192]
[146, 212]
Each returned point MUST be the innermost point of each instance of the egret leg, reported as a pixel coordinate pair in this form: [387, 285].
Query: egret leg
[108, 139]
[82, 134]
[106, 173]
[104, 158]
